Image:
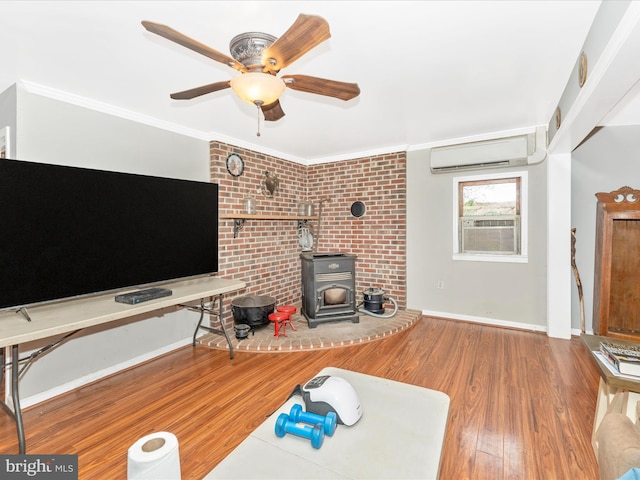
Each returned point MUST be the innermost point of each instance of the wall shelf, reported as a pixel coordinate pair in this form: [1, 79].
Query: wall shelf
[266, 216]
[240, 218]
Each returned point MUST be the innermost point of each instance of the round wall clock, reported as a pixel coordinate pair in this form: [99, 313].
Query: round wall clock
[235, 165]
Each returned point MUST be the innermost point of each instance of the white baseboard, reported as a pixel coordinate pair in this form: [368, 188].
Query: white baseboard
[487, 321]
[92, 377]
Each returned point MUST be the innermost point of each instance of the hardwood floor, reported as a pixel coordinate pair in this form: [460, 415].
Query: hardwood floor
[522, 404]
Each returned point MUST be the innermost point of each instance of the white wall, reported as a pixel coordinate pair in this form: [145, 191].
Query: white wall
[610, 159]
[509, 294]
[8, 113]
[559, 271]
[51, 131]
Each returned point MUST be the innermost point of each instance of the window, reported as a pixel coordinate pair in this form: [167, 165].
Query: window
[490, 217]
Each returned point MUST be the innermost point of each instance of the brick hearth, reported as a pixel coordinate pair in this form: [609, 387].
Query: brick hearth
[328, 335]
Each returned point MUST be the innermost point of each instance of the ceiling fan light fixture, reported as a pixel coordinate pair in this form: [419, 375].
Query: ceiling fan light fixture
[258, 88]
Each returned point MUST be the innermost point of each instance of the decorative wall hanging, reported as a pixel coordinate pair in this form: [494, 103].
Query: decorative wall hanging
[235, 164]
[270, 184]
[582, 69]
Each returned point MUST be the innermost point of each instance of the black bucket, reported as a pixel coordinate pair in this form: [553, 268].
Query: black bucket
[373, 300]
[253, 311]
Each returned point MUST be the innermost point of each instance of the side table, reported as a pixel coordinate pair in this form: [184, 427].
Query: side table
[616, 392]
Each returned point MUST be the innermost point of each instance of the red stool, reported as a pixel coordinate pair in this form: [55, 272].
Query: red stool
[289, 310]
[279, 319]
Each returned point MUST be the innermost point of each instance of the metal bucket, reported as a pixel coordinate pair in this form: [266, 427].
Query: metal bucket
[253, 310]
[374, 300]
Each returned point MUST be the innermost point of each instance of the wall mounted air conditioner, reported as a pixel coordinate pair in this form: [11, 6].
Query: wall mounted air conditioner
[526, 149]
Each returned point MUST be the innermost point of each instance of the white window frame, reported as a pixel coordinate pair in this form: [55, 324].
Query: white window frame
[524, 219]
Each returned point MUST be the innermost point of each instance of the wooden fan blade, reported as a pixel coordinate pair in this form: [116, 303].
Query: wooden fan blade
[306, 32]
[177, 37]
[321, 86]
[273, 111]
[203, 90]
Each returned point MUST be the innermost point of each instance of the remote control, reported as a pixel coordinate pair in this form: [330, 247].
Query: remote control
[139, 296]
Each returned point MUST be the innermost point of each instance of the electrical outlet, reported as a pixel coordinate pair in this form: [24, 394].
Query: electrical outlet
[440, 283]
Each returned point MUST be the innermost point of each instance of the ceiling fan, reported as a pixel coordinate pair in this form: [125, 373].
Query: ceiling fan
[259, 57]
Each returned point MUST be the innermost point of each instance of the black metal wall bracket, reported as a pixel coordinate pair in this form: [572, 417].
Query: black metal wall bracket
[238, 223]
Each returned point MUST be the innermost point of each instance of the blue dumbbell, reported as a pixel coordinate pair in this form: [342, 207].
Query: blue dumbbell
[329, 423]
[285, 425]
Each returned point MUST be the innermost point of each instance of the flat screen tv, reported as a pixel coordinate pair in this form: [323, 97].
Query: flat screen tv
[69, 232]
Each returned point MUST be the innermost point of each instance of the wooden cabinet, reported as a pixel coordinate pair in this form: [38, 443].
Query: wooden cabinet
[616, 295]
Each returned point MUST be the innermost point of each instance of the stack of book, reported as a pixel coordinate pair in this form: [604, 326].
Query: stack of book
[626, 358]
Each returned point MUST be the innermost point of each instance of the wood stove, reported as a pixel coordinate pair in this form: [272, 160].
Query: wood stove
[328, 288]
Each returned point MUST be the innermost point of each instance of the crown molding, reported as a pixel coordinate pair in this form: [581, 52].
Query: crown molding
[103, 107]
[474, 138]
[91, 104]
[362, 154]
[218, 137]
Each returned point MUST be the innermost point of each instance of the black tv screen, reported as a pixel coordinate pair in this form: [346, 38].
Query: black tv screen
[69, 231]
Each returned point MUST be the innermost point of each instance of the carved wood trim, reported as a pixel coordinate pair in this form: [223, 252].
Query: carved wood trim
[622, 195]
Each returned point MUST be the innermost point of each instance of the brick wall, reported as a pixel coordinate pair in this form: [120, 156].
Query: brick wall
[266, 254]
[378, 238]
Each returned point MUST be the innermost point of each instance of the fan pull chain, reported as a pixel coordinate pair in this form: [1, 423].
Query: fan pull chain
[258, 132]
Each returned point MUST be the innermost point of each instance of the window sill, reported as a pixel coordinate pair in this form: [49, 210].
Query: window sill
[467, 257]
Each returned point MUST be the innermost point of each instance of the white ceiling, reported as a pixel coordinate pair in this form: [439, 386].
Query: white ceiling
[429, 71]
